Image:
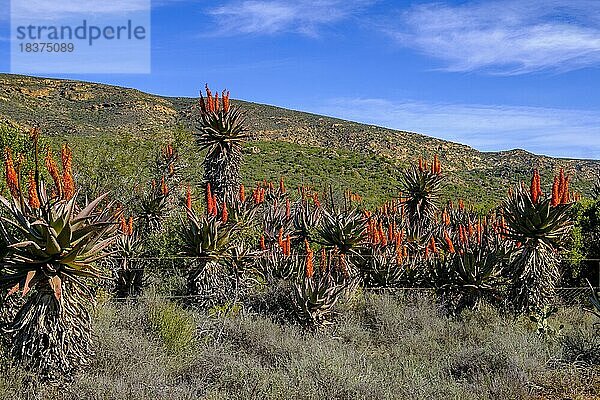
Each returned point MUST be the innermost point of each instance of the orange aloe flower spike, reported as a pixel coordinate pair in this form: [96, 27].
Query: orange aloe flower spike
[555, 200]
[242, 194]
[209, 200]
[224, 213]
[262, 243]
[32, 196]
[53, 171]
[67, 178]
[310, 268]
[188, 197]
[281, 185]
[12, 180]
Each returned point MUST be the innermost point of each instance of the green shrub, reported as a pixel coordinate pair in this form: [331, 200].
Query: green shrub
[173, 325]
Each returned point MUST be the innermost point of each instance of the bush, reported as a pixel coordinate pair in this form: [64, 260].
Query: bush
[174, 326]
[383, 347]
[583, 346]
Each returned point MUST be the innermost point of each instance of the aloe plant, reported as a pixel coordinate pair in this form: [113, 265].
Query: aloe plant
[343, 231]
[221, 131]
[381, 268]
[315, 299]
[209, 240]
[420, 187]
[539, 226]
[52, 247]
[127, 263]
[594, 301]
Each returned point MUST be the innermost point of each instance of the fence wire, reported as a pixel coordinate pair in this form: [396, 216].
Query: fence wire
[153, 266]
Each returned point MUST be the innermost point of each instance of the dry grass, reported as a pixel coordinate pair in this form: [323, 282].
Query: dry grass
[381, 347]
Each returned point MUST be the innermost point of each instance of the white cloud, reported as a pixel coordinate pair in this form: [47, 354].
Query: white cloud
[555, 132]
[505, 37]
[4, 10]
[277, 16]
[49, 10]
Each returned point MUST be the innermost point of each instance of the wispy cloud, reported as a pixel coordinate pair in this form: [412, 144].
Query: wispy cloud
[44, 9]
[555, 132]
[4, 10]
[505, 37]
[277, 16]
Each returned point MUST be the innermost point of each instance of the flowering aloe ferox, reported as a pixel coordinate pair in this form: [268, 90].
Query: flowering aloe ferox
[52, 245]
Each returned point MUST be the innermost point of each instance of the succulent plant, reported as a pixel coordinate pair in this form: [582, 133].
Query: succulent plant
[276, 222]
[381, 268]
[274, 264]
[420, 187]
[127, 263]
[154, 207]
[209, 240]
[343, 231]
[221, 132]
[315, 299]
[539, 226]
[594, 301]
[305, 218]
[52, 247]
[242, 210]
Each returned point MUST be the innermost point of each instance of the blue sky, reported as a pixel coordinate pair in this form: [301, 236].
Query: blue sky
[495, 75]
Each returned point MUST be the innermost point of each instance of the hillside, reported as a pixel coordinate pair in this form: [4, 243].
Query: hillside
[123, 126]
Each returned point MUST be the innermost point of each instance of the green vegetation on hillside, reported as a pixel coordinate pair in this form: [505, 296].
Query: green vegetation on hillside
[110, 123]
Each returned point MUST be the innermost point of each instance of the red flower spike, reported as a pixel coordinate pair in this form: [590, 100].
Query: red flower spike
[224, 213]
[281, 185]
[53, 171]
[555, 192]
[432, 244]
[163, 187]
[461, 234]
[242, 194]
[566, 198]
[225, 97]
[288, 245]
[67, 178]
[280, 238]
[188, 198]
[316, 200]
[535, 189]
[123, 224]
[262, 243]
[310, 268]
[449, 242]
[32, 197]
[12, 180]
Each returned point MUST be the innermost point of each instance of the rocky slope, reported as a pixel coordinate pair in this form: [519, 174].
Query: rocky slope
[65, 108]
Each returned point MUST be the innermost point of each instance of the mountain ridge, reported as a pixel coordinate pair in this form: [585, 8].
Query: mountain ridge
[70, 108]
